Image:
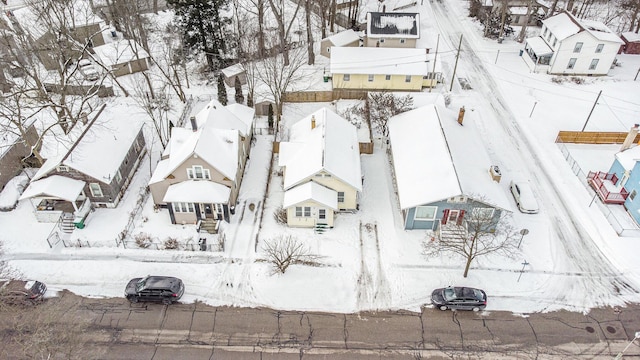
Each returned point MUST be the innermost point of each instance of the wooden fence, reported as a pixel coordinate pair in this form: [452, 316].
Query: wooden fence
[323, 96]
[593, 137]
[365, 148]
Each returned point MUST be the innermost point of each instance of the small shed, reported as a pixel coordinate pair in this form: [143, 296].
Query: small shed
[631, 42]
[232, 72]
[347, 38]
[123, 57]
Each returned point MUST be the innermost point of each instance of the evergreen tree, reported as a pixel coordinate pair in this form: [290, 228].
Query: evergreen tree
[239, 97]
[270, 116]
[204, 27]
[222, 91]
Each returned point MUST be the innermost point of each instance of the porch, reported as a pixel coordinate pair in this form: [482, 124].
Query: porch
[537, 55]
[606, 186]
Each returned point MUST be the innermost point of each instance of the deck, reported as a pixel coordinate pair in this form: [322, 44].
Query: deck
[606, 186]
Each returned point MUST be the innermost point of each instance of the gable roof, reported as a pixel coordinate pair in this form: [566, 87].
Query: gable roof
[449, 165]
[564, 25]
[631, 36]
[231, 117]
[197, 192]
[400, 25]
[54, 186]
[311, 191]
[77, 15]
[343, 37]
[331, 146]
[374, 60]
[217, 147]
[629, 157]
[101, 148]
[120, 52]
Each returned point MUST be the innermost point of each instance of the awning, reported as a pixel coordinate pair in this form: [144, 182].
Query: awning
[201, 191]
[539, 46]
[55, 186]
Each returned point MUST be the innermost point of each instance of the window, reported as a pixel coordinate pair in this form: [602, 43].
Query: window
[322, 214]
[407, 78]
[387, 77]
[599, 48]
[346, 77]
[303, 211]
[298, 211]
[371, 77]
[578, 47]
[328, 49]
[340, 196]
[633, 194]
[198, 172]
[118, 176]
[572, 63]
[381, 40]
[307, 211]
[183, 207]
[425, 213]
[402, 41]
[96, 191]
[63, 168]
[544, 32]
[482, 213]
[594, 64]
[554, 42]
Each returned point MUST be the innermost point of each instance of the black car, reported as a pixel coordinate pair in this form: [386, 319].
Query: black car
[20, 292]
[459, 298]
[165, 289]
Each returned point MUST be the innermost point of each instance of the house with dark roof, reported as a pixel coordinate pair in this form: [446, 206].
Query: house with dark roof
[393, 30]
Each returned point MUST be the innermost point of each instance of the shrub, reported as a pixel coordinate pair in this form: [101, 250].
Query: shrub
[281, 216]
[143, 240]
[171, 244]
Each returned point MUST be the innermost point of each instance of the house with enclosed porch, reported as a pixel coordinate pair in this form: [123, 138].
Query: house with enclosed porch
[346, 38]
[442, 171]
[321, 169]
[571, 46]
[392, 29]
[198, 177]
[383, 69]
[94, 172]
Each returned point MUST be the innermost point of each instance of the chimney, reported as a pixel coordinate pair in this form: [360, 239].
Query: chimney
[313, 121]
[194, 124]
[631, 136]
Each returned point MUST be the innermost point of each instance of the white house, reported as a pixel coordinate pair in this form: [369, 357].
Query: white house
[570, 46]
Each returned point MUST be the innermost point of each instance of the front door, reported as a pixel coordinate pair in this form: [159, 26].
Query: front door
[453, 216]
[206, 210]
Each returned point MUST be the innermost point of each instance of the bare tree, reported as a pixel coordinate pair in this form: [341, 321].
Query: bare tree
[285, 251]
[311, 55]
[158, 109]
[482, 232]
[278, 75]
[278, 8]
[382, 106]
[247, 33]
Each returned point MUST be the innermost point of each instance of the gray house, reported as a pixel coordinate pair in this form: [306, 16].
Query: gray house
[442, 171]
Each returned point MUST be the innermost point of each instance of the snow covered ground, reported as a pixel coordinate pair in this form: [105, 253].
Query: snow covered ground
[574, 259]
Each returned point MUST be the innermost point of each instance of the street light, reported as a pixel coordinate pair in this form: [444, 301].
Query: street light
[635, 337]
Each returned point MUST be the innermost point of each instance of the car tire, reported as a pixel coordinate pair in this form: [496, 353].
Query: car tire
[443, 307]
[133, 299]
[476, 309]
[166, 301]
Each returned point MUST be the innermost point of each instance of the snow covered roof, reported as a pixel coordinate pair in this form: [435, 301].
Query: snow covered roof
[311, 191]
[400, 25]
[100, 150]
[629, 157]
[564, 25]
[232, 70]
[331, 146]
[539, 46]
[430, 166]
[231, 117]
[343, 38]
[78, 15]
[631, 36]
[119, 52]
[197, 191]
[54, 186]
[373, 60]
[216, 147]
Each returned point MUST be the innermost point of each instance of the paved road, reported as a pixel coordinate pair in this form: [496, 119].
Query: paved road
[196, 331]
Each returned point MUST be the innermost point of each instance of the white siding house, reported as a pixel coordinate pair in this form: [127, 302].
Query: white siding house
[570, 46]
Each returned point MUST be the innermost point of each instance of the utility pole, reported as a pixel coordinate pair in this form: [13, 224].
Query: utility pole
[591, 112]
[435, 58]
[456, 65]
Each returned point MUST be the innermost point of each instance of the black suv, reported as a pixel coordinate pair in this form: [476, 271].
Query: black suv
[165, 289]
[459, 298]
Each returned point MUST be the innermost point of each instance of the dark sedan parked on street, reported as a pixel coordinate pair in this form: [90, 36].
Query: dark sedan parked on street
[165, 289]
[459, 298]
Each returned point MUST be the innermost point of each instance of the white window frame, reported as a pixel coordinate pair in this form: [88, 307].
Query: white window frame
[322, 214]
[578, 47]
[307, 211]
[181, 207]
[371, 77]
[407, 78]
[346, 77]
[599, 48]
[572, 63]
[594, 64]
[387, 77]
[402, 41]
[433, 209]
[340, 196]
[96, 190]
[298, 211]
[63, 168]
[192, 173]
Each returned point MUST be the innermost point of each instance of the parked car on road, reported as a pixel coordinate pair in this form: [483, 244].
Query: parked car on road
[165, 289]
[88, 70]
[524, 197]
[459, 298]
[20, 292]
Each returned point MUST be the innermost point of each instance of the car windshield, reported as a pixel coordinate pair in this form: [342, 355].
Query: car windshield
[140, 285]
[449, 294]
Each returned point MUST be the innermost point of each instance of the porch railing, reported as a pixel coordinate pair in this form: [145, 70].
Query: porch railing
[597, 181]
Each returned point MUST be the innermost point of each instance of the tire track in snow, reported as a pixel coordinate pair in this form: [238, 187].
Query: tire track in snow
[374, 292]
